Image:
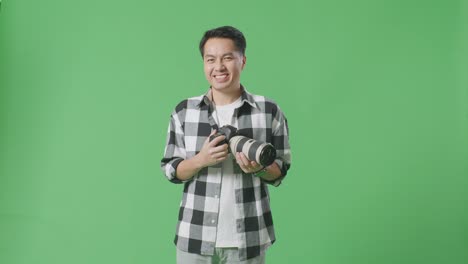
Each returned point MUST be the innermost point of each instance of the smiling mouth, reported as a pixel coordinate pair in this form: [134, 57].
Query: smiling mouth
[221, 77]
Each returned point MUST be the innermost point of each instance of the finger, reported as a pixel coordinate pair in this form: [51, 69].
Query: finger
[216, 140]
[255, 165]
[245, 160]
[244, 169]
[239, 161]
[219, 155]
[221, 159]
[212, 133]
[207, 140]
[222, 148]
[242, 159]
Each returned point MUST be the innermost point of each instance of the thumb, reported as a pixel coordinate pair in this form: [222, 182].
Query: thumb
[211, 134]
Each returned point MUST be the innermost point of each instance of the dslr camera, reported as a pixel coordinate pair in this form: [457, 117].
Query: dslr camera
[261, 152]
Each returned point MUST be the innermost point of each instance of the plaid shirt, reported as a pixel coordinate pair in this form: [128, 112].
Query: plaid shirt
[190, 124]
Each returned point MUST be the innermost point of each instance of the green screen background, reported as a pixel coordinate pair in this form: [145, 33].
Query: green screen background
[376, 95]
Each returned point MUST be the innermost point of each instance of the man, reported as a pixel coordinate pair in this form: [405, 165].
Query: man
[225, 213]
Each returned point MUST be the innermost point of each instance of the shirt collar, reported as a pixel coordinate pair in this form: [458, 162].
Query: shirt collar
[246, 97]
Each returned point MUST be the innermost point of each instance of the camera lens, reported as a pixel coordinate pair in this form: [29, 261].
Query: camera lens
[267, 155]
[262, 153]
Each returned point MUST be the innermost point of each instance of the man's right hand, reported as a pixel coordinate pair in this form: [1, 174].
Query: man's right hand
[210, 154]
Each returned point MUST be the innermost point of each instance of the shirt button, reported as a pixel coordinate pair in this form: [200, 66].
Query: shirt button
[212, 221]
[216, 196]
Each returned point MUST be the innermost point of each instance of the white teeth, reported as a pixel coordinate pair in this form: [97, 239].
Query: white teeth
[220, 76]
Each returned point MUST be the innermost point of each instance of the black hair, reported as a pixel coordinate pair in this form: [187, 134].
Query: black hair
[225, 32]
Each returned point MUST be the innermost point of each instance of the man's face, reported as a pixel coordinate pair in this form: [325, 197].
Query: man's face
[223, 64]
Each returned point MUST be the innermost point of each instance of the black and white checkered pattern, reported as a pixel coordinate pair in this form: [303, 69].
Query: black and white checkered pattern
[190, 124]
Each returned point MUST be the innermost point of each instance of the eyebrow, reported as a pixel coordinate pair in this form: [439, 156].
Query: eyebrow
[225, 54]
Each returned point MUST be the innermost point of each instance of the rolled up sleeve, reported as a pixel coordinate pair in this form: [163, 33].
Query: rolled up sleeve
[174, 152]
[280, 140]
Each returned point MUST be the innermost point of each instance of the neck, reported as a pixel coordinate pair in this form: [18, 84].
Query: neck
[223, 98]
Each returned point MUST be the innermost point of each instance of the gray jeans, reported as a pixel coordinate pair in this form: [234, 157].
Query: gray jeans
[221, 256]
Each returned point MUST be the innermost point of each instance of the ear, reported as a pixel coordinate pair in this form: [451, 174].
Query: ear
[244, 60]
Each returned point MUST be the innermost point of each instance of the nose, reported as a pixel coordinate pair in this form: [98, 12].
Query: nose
[219, 65]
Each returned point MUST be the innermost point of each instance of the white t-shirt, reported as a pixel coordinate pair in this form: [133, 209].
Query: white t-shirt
[227, 232]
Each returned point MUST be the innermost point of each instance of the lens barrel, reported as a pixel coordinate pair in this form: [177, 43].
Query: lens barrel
[262, 153]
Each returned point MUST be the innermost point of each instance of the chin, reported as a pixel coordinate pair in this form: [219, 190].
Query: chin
[220, 87]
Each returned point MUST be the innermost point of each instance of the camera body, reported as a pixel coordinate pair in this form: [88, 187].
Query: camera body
[261, 152]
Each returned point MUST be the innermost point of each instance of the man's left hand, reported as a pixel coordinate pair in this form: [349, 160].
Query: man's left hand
[247, 165]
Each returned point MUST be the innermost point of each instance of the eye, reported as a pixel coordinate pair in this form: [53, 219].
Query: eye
[228, 58]
[210, 60]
